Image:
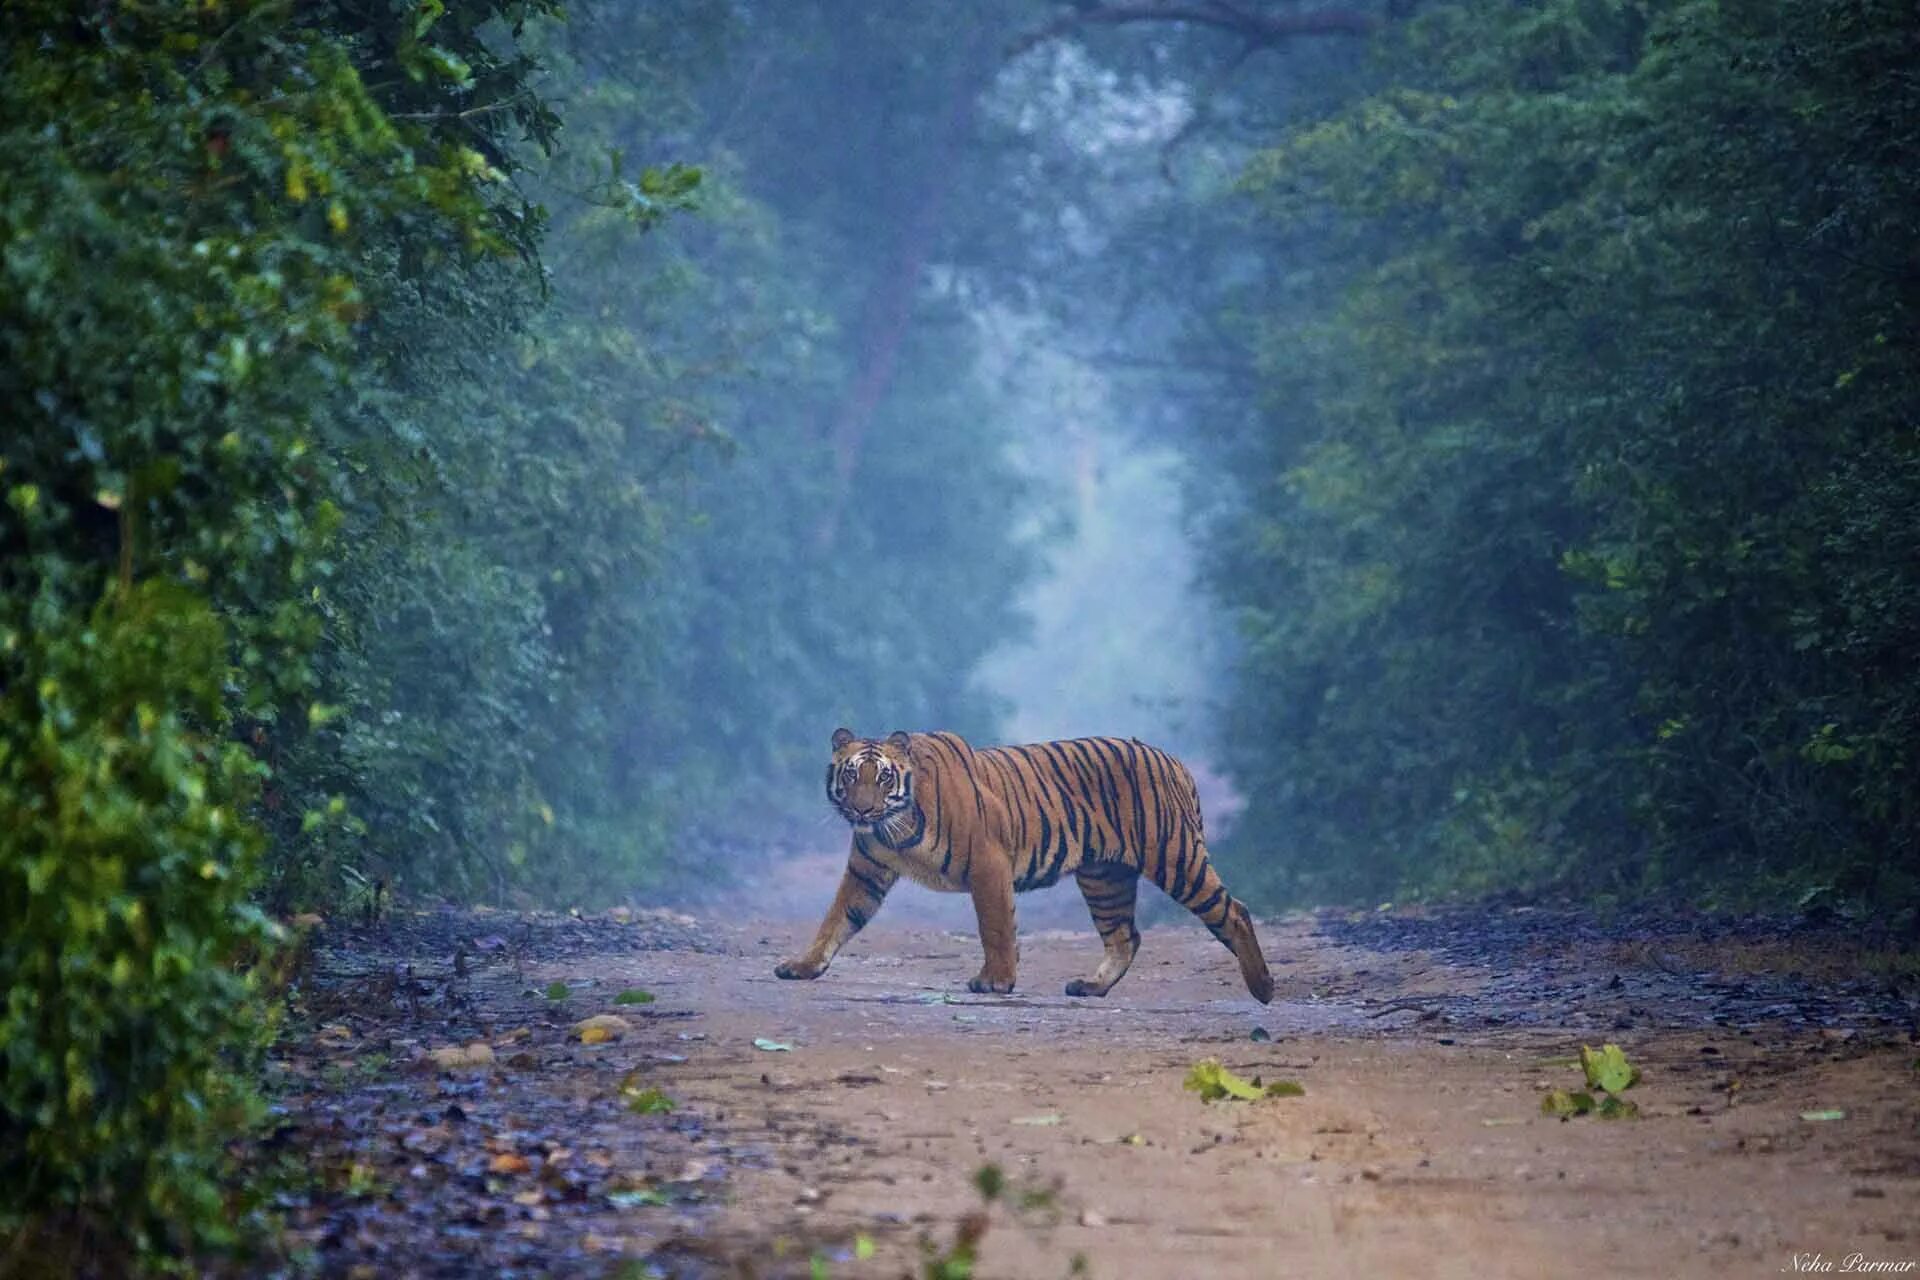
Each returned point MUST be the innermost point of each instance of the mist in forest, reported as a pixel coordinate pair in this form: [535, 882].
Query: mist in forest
[1463, 432]
[464, 457]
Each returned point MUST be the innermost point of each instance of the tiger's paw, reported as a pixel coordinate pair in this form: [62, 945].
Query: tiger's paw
[801, 968]
[984, 983]
[1081, 987]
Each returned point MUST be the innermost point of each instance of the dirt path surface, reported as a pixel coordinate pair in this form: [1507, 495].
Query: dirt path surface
[1418, 1149]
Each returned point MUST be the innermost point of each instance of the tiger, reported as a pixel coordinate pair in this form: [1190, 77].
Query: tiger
[997, 821]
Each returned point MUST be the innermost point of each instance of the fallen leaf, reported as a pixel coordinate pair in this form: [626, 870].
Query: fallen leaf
[1607, 1068]
[648, 1102]
[863, 1247]
[600, 1028]
[1831, 1113]
[454, 1056]
[1260, 1035]
[634, 1199]
[1560, 1102]
[1213, 1082]
[1051, 1118]
[558, 991]
[771, 1046]
[508, 1162]
[1612, 1108]
[634, 995]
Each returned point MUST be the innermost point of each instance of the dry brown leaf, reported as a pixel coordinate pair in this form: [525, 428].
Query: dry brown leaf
[508, 1162]
[455, 1056]
[611, 1025]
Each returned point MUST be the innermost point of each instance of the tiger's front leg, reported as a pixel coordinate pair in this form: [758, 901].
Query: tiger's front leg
[862, 889]
[990, 880]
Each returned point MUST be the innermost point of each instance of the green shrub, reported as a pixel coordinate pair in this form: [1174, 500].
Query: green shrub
[124, 870]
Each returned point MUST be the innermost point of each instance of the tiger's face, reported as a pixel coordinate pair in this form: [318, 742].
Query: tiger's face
[870, 781]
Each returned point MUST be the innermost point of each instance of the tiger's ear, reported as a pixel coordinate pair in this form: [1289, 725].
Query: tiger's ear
[841, 737]
[898, 738]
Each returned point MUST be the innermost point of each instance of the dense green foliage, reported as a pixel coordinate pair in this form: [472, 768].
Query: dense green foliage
[380, 507]
[194, 204]
[1583, 539]
[608, 551]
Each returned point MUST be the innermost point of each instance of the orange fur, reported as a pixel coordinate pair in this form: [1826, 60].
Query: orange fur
[1001, 820]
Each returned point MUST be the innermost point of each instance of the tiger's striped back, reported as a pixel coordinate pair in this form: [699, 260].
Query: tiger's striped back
[1000, 820]
[1095, 800]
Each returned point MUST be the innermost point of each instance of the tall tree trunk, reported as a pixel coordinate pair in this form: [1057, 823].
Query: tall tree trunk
[888, 315]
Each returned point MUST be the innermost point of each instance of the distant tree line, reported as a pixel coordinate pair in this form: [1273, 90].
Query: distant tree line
[1579, 543]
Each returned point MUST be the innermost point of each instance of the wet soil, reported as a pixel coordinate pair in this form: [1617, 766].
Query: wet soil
[1423, 1043]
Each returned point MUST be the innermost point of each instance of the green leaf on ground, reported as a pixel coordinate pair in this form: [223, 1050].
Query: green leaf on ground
[557, 991]
[634, 995]
[1613, 1108]
[635, 1198]
[1260, 1035]
[1214, 1082]
[1560, 1102]
[771, 1046]
[648, 1102]
[863, 1247]
[1607, 1068]
[1830, 1113]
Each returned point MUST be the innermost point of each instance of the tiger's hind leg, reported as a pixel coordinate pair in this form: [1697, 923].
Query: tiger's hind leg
[1191, 881]
[1110, 890]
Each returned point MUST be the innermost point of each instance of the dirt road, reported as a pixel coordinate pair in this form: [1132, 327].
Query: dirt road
[1418, 1148]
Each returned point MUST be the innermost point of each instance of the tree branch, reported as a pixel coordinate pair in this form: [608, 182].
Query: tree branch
[1254, 28]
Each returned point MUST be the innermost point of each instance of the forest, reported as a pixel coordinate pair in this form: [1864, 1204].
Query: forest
[476, 453]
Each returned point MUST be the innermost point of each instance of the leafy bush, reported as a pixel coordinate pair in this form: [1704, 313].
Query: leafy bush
[192, 196]
[125, 861]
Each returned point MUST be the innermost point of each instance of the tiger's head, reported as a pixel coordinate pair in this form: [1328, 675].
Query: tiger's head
[870, 780]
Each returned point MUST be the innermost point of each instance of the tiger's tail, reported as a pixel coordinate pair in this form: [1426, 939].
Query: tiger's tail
[1188, 876]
